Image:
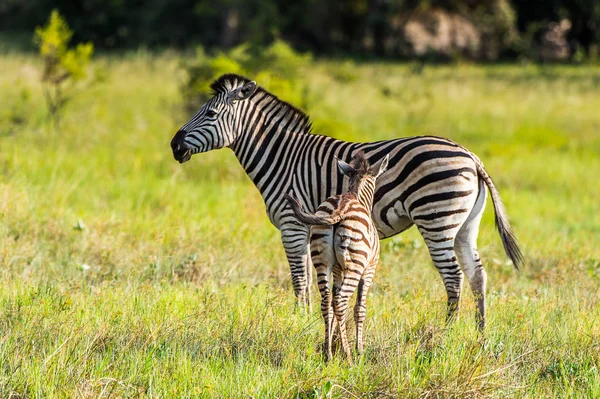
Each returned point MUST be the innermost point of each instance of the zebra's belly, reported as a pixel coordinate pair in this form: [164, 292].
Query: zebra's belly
[397, 220]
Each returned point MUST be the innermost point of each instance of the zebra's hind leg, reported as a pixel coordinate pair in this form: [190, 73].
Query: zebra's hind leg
[471, 263]
[445, 261]
[466, 250]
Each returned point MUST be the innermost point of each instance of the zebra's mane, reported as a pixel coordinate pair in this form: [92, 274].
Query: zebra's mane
[231, 81]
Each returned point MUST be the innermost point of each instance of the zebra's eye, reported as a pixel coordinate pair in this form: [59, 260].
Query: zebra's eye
[211, 113]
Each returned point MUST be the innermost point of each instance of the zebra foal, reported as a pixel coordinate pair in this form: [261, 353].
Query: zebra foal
[344, 241]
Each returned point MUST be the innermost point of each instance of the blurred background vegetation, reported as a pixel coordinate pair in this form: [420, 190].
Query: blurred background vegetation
[425, 29]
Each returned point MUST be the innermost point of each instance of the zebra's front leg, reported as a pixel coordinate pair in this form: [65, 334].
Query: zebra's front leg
[295, 243]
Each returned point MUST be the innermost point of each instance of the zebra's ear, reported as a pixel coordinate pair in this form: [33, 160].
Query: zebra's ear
[345, 168]
[382, 167]
[242, 93]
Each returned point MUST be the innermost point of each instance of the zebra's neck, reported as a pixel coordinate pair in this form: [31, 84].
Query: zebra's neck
[365, 193]
[271, 132]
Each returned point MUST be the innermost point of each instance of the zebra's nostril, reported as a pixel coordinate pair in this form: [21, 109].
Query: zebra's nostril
[177, 140]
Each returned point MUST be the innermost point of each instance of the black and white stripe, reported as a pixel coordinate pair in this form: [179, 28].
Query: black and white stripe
[431, 182]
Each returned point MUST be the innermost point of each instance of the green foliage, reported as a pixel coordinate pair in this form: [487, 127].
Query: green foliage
[63, 67]
[497, 23]
[203, 69]
[277, 68]
[327, 26]
[583, 14]
[15, 115]
[345, 72]
[317, 392]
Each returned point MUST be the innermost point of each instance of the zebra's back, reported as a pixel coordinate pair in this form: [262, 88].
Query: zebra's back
[426, 179]
[355, 239]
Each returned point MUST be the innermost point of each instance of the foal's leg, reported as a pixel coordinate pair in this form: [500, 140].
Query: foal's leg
[360, 308]
[340, 306]
[343, 288]
[323, 259]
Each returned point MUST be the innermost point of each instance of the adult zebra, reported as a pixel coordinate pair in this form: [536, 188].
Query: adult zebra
[431, 182]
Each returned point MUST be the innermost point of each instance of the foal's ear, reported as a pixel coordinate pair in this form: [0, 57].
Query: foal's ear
[382, 167]
[244, 92]
[345, 168]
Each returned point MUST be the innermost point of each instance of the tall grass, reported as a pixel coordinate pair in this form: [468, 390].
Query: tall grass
[125, 274]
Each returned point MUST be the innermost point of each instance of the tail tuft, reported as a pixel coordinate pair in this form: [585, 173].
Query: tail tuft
[509, 240]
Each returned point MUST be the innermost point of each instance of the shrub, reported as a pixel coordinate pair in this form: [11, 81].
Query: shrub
[276, 68]
[63, 67]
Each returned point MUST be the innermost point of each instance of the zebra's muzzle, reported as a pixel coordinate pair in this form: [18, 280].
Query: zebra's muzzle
[180, 151]
[182, 155]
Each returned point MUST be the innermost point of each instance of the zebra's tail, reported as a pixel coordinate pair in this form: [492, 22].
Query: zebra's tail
[509, 240]
[309, 218]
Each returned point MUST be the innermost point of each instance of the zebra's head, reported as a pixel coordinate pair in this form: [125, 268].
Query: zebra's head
[363, 175]
[213, 126]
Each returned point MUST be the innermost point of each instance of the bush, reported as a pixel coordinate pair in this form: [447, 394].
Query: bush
[63, 67]
[276, 68]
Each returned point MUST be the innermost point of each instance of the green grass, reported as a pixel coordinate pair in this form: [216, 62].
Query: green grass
[125, 274]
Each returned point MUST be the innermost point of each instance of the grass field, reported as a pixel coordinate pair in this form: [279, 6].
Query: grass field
[125, 274]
